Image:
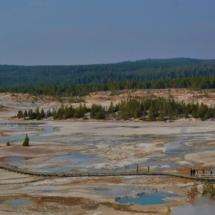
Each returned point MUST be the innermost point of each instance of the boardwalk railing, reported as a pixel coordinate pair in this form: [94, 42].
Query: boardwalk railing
[109, 173]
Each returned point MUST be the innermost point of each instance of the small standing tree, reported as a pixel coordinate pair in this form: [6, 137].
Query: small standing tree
[26, 141]
[25, 114]
[20, 114]
[8, 143]
[42, 114]
[151, 116]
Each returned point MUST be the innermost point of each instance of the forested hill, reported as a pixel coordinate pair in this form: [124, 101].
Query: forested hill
[143, 70]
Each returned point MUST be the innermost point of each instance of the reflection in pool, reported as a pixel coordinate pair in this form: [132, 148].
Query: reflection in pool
[148, 199]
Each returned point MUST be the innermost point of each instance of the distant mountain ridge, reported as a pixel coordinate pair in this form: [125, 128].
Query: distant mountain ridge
[140, 70]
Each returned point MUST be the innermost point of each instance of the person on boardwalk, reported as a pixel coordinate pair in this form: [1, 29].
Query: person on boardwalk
[196, 173]
[148, 168]
[191, 172]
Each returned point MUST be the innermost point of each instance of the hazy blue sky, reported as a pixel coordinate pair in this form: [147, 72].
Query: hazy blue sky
[63, 32]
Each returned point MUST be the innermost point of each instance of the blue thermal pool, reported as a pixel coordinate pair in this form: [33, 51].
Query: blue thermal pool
[148, 199]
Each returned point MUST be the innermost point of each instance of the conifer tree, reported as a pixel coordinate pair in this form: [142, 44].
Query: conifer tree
[26, 141]
[111, 108]
[20, 114]
[42, 114]
[25, 114]
[30, 114]
[151, 116]
[48, 113]
[160, 117]
[37, 113]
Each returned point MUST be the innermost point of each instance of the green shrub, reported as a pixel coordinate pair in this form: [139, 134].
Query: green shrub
[208, 190]
[85, 118]
[193, 193]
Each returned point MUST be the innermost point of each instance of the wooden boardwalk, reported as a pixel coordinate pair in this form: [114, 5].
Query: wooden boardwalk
[103, 174]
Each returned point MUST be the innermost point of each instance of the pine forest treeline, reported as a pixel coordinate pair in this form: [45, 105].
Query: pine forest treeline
[82, 90]
[150, 109]
[139, 71]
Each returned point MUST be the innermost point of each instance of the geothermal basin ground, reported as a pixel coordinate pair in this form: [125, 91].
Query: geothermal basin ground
[61, 146]
[100, 146]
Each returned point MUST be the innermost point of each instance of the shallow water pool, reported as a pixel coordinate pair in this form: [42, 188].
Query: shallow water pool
[21, 202]
[54, 169]
[102, 189]
[46, 191]
[148, 199]
[14, 158]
